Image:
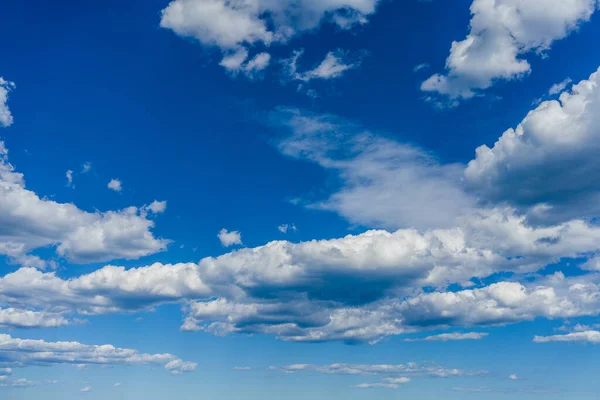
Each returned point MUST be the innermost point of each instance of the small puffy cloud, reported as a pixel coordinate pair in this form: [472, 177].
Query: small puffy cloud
[236, 27]
[241, 368]
[6, 118]
[86, 167]
[513, 377]
[86, 389]
[581, 337]
[229, 239]
[115, 185]
[446, 337]
[157, 207]
[117, 384]
[27, 352]
[501, 34]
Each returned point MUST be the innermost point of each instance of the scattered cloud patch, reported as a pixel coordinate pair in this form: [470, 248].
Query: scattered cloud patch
[446, 337]
[26, 352]
[229, 239]
[115, 185]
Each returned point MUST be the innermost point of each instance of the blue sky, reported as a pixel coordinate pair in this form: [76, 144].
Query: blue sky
[333, 199]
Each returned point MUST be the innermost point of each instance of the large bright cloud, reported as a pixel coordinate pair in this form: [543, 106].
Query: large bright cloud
[548, 166]
[236, 26]
[339, 289]
[501, 33]
[18, 353]
[28, 222]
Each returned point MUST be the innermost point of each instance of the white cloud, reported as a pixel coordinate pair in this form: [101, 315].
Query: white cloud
[501, 33]
[395, 371]
[229, 239]
[585, 337]
[547, 165]
[115, 185]
[157, 207]
[86, 389]
[445, 337]
[15, 318]
[19, 383]
[6, 118]
[86, 167]
[513, 377]
[506, 302]
[339, 289]
[235, 27]
[28, 222]
[26, 352]
[384, 183]
[69, 175]
[334, 65]
[242, 368]
[117, 384]
[559, 87]
[420, 67]
[237, 61]
[388, 383]
[285, 227]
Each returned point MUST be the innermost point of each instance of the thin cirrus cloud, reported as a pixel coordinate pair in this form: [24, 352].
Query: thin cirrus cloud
[19, 353]
[501, 34]
[582, 337]
[6, 118]
[450, 337]
[237, 27]
[334, 65]
[30, 222]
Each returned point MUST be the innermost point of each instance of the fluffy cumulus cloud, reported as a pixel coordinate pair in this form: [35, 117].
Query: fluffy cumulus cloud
[19, 353]
[339, 289]
[547, 166]
[15, 318]
[501, 33]
[229, 239]
[235, 27]
[115, 185]
[6, 118]
[506, 302]
[28, 222]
